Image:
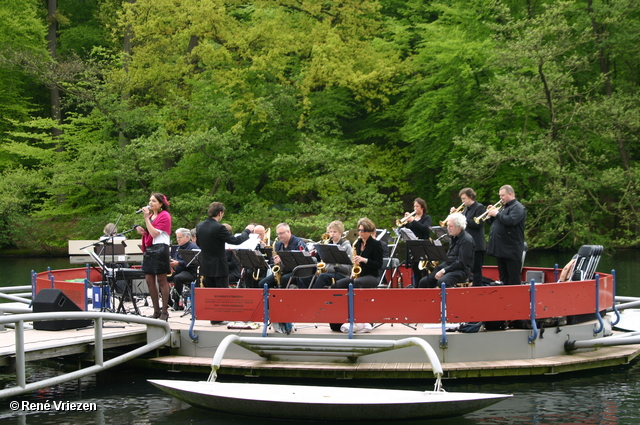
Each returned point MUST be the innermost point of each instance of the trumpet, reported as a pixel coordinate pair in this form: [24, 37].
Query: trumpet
[485, 215]
[460, 209]
[402, 221]
[356, 270]
[325, 238]
[267, 237]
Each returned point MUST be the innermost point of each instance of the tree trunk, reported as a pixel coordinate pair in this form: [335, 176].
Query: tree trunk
[54, 92]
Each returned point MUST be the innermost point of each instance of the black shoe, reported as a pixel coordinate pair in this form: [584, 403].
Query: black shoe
[409, 286]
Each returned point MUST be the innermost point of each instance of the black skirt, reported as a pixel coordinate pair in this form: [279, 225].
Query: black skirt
[156, 259]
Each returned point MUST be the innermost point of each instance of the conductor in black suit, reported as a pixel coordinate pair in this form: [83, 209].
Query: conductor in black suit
[211, 238]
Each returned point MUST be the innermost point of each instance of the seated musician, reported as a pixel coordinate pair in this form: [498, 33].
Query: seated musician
[335, 272]
[286, 242]
[182, 275]
[252, 277]
[368, 257]
[457, 268]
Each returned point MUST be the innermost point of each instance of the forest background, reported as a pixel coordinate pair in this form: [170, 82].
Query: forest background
[307, 111]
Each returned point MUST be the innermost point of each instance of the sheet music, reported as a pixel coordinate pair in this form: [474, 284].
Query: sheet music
[407, 234]
[251, 243]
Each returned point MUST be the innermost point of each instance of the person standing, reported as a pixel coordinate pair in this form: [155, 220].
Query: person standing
[211, 237]
[472, 210]
[506, 236]
[156, 242]
[420, 225]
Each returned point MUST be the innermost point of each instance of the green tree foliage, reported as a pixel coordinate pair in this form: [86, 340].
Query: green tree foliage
[307, 111]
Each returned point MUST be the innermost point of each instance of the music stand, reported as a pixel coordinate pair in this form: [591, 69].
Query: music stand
[426, 250]
[441, 233]
[190, 256]
[250, 260]
[332, 254]
[297, 260]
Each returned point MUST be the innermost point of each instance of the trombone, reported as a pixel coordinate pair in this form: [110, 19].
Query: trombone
[402, 221]
[485, 215]
[460, 209]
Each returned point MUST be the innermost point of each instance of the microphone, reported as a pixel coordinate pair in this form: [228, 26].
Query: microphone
[140, 210]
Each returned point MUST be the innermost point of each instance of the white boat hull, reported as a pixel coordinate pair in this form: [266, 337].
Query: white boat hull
[325, 403]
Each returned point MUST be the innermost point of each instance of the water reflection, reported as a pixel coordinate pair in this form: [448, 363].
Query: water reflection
[608, 396]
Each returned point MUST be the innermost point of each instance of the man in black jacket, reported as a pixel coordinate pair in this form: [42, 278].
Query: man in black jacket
[182, 274]
[457, 268]
[472, 210]
[211, 237]
[506, 236]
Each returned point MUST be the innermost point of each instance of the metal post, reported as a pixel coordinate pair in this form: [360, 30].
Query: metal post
[21, 375]
[534, 326]
[443, 312]
[99, 345]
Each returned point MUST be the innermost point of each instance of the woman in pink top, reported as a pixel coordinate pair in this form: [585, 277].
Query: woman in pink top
[156, 242]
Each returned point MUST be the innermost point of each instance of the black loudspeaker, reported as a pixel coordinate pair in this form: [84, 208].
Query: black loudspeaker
[54, 300]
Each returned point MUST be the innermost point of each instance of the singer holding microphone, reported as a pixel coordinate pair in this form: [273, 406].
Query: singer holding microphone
[156, 241]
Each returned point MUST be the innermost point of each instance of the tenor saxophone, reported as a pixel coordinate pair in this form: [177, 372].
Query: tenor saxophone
[356, 270]
[276, 269]
[322, 266]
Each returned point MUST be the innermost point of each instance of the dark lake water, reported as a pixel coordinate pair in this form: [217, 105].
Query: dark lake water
[122, 396]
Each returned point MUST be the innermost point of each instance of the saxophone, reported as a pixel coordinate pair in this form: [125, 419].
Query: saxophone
[322, 267]
[276, 270]
[356, 270]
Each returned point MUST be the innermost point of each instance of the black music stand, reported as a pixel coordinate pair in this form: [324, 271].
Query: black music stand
[426, 250]
[190, 256]
[297, 262]
[332, 254]
[441, 233]
[251, 260]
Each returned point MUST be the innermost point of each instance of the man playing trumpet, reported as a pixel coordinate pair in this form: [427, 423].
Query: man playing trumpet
[506, 236]
[457, 268]
[473, 209]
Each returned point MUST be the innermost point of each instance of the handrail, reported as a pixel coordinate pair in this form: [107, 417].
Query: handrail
[615, 308]
[443, 312]
[328, 346]
[534, 326]
[100, 364]
[600, 327]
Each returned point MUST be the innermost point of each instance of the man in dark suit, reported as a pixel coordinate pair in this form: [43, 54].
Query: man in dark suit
[473, 209]
[506, 236]
[211, 238]
[457, 268]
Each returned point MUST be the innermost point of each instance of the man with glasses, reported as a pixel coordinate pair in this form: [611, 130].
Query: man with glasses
[182, 275]
[286, 242]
